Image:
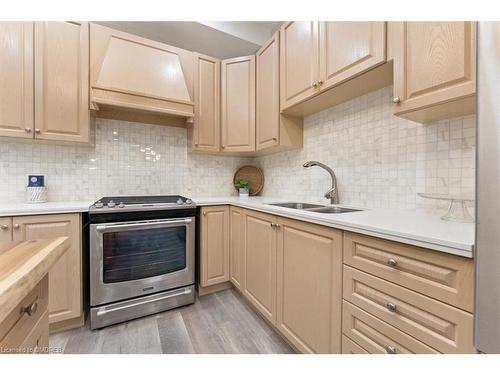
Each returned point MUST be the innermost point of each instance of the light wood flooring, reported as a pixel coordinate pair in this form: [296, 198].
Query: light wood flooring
[217, 323]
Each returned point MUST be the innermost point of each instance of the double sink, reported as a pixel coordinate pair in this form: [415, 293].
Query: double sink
[318, 208]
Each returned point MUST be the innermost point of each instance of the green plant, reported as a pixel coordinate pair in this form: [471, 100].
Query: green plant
[242, 184]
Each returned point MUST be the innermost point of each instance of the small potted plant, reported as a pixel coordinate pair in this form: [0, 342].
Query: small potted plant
[243, 186]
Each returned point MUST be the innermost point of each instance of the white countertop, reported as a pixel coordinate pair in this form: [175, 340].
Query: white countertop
[406, 226]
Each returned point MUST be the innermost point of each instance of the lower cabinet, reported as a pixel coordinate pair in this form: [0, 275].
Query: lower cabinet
[237, 247]
[214, 250]
[65, 278]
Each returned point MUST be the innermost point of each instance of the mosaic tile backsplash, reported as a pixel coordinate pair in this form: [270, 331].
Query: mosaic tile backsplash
[381, 161]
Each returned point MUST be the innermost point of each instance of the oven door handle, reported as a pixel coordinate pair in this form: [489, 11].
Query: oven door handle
[101, 228]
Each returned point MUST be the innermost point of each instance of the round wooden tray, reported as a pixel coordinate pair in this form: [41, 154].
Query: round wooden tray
[253, 175]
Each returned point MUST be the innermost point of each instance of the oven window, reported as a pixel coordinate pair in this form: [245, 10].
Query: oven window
[138, 254]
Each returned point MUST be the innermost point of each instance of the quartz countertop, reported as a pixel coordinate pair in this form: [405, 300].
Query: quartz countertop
[406, 226]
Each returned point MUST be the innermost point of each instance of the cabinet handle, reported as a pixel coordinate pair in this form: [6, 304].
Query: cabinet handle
[274, 138]
[196, 144]
[27, 130]
[30, 309]
[272, 225]
[391, 307]
[223, 146]
[277, 226]
[16, 226]
[204, 214]
[392, 262]
[396, 100]
[320, 82]
[37, 131]
[390, 350]
[314, 84]
[4, 226]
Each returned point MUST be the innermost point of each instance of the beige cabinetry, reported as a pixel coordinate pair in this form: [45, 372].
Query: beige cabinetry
[238, 104]
[434, 69]
[214, 251]
[206, 126]
[309, 269]
[16, 76]
[61, 81]
[273, 130]
[5, 233]
[237, 247]
[65, 278]
[44, 71]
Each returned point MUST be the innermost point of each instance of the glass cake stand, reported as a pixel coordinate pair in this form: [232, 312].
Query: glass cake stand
[457, 211]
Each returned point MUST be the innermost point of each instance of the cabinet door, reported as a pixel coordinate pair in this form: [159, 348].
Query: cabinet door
[299, 62]
[65, 278]
[268, 107]
[349, 49]
[260, 263]
[434, 63]
[309, 286]
[238, 104]
[206, 132]
[62, 81]
[5, 233]
[16, 77]
[237, 247]
[214, 245]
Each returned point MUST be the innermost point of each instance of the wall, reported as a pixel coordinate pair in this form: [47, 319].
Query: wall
[381, 161]
[128, 158]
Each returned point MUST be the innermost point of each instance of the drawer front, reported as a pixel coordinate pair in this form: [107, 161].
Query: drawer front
[37, 341]
[376, 336]
[350, 347]
[19, 323]
[443, 327]
[448, 278]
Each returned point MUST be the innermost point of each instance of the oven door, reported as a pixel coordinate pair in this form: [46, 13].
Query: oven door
[130, 259]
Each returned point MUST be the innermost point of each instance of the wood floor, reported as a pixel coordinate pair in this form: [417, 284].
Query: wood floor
[217, 323]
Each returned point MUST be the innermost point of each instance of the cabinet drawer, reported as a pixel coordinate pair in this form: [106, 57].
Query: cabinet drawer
[17, 326]
[448, 278]
[376, 336]
[441, 326]
[350, 347]
[37, 340]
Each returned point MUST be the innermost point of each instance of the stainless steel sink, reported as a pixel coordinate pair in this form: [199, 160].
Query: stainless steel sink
[332, 210]
[297, 205]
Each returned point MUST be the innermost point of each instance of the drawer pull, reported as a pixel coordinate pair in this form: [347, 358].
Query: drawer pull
[391, 307]
[390, 350]
[30, 309]
[392, 262]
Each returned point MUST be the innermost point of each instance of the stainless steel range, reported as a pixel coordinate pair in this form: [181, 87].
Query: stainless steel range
[142, 251]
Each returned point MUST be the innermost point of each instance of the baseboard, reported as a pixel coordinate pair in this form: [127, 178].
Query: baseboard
[203, 290]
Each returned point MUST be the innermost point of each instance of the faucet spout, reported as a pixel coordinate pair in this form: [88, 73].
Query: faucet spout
[332, 194]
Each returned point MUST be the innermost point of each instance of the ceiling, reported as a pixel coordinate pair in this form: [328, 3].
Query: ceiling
[222, 39]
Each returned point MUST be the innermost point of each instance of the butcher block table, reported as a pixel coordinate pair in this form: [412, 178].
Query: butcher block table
[24, 324]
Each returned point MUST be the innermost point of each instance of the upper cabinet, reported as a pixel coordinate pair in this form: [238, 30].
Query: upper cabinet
[327, 63]
[44, 75]
[434, 69]
[206, 127]
[61, 81]
[127, 71]
[238, 104]
[16, 75]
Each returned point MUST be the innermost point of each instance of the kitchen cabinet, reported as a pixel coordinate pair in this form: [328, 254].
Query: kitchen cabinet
[237, 247]
[61, 81]
[260, 263]
[138, 74]
[214, 250]
[65, 278]
[16, 75]
[309, 280]
[238, 104]
[206, 126]
[5, 233]
[434, 69]
[274, 131]
[327, 63]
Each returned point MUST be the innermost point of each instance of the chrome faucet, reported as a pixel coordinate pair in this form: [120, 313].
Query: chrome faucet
[331, 194]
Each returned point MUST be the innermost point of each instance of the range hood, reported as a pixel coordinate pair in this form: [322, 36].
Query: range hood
[136, 74]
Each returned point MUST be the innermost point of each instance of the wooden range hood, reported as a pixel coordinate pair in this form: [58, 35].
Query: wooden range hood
[131, 73]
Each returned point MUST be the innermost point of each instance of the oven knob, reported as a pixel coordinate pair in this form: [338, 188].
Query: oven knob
[189, 201]
[111, 204]
[98, 205]
[121, 205]
[179, 201]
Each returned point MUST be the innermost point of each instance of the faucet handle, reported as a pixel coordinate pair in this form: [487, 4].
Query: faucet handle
[330, 194]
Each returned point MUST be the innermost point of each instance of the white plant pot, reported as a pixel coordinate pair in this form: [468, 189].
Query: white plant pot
[244, 193]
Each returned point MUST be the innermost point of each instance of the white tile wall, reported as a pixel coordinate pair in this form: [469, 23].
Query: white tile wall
[380, 160]
[128, 158]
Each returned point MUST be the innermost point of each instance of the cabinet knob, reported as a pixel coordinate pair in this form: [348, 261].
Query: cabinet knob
[27, 130]
[314, 84]
[390, 350]
[4, 227]
[37, 131]
[396, 100]
[320, 82]
[392, 262]
[196, 144]
[223, 146]
[391, 307]
[16, 226]
[30, 309]
[274, 138]
[204, 214]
